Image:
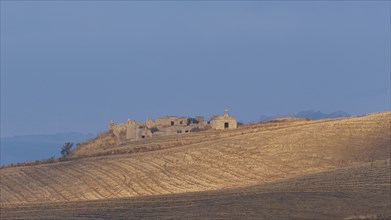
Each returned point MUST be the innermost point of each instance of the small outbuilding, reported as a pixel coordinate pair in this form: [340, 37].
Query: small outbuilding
[222, 122]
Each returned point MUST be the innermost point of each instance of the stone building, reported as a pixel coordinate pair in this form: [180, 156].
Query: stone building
[170, 125]
[175, 125]
[225, 121]
[137, 131]
[167, 121]
[130, 129]
[117, 129]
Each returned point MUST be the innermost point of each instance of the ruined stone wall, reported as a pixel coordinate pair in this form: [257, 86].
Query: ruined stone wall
[167, 121]
[132, 130]
[200, 119]
[118, 128]
[150, 123]
[171, 130]
[128, 130]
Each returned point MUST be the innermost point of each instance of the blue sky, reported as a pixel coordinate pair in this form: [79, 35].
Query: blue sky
[72, 66]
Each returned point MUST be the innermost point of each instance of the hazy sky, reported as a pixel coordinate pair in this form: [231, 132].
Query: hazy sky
[72, 66]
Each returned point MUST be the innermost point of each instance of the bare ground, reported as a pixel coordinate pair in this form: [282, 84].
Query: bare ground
[276, 170]
[357, 192]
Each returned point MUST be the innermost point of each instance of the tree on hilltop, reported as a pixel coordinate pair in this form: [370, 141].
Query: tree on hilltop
[66, 149]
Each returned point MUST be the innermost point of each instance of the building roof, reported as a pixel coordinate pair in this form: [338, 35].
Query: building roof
[222, 117]
[173, 117]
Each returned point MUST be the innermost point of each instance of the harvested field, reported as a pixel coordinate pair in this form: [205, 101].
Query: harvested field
[217, 174]
[361, 191]
[107, 143]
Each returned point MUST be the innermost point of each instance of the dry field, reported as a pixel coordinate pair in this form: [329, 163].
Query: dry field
[107, 143]
[357, 192]
[268, 170]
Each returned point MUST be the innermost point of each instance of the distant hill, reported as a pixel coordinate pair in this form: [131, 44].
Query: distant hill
[315, 115]
[36, 147]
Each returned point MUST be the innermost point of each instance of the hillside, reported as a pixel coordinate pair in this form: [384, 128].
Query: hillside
[212, 160]
[357, 192]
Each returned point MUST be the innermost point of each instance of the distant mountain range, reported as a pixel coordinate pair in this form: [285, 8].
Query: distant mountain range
[315, 115]
[36, 147]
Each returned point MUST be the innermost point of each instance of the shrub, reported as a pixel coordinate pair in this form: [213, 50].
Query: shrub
[66, 149]
[192, 121]
[154, 129]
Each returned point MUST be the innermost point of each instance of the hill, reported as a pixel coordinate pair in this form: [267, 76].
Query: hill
[204, 161]
[356, 192]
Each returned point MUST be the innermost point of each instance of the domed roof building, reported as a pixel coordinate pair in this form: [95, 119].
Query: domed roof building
[222, 122]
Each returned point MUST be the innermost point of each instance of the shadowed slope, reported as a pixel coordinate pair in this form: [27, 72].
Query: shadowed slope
[254, 157]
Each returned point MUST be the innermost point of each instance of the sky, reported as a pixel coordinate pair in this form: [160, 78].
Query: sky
[73, 66]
